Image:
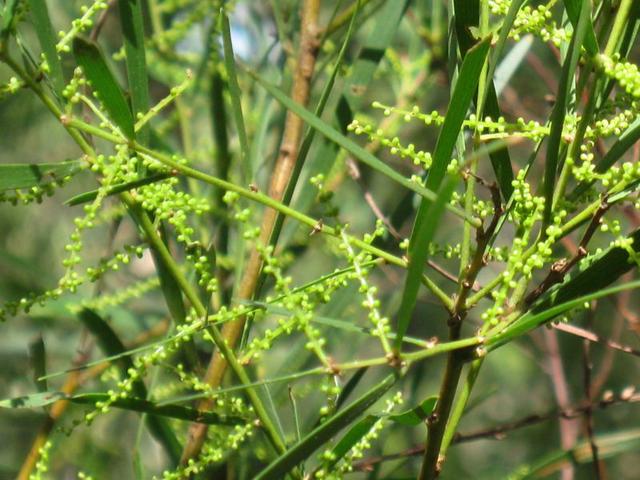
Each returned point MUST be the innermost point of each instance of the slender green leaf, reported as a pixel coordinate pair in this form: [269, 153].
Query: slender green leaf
[350, 386]
[43, 399]
[115, 189]
[320, 435]
[467, 15]
[500, 159]
[418, 252]
[353, 436]
[418, 414]
[8, 15]
[236, 95]
[533, 319]
[35, 400]
[47, 38]
[25, 175]
[429, 212]
[572, 8]
[411, 417]
[153, 410]
[560, 109]
[349, 145]
[458, 106]
[132, 24]
[104, 84]
[170, 288]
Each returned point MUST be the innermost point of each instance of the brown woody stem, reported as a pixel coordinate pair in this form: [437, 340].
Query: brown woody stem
[284, 166]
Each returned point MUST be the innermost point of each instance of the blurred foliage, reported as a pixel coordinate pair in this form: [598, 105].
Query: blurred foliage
[394, 65]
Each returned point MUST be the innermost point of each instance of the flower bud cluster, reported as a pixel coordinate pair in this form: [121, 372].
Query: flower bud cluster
[121, 296]
[12, 86]
[616, 125]
[329, 471]
[381, 327]
[625, 73]
[71, 284]
[135, 374]
[72, 91]
[497, 128]
[174, 206]
[537, 20]
[42, 465]
[224, 403]
[619, 177]
[418, 157]
[112, 170]
[80, 25]
[25, 196]
[204, 263]
[527, 208]
[298, 307]
[182, 25]
[222, 441]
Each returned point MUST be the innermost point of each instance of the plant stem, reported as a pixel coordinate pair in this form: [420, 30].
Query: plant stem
[285, 164]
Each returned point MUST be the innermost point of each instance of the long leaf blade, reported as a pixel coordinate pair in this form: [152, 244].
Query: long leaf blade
[560, 109]
[132, 24]
[25, 175]
[48, 40]
[103, 81]
[133, 404]
[429, 213]
[572, 8]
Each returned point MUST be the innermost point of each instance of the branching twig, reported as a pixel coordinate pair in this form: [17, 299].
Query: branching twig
[560, 268]
[432, 460]
[500, 432]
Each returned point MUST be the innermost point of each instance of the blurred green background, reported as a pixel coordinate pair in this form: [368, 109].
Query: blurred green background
[519, 380]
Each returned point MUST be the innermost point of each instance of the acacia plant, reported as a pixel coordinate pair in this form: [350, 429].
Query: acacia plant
[296, 235]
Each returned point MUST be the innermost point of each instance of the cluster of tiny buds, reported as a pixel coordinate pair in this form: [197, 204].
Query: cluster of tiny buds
[42, 465]
[102, 302]
[81, 24]
[370, 303]
[488, 127]
[25, 196]
[12, 86]
[222, 441]
[135, 374]
[171, 205]
[72, 90]
[527, 207]
[537, 20]
[625, 73]
[330, 472]
[71, 282]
